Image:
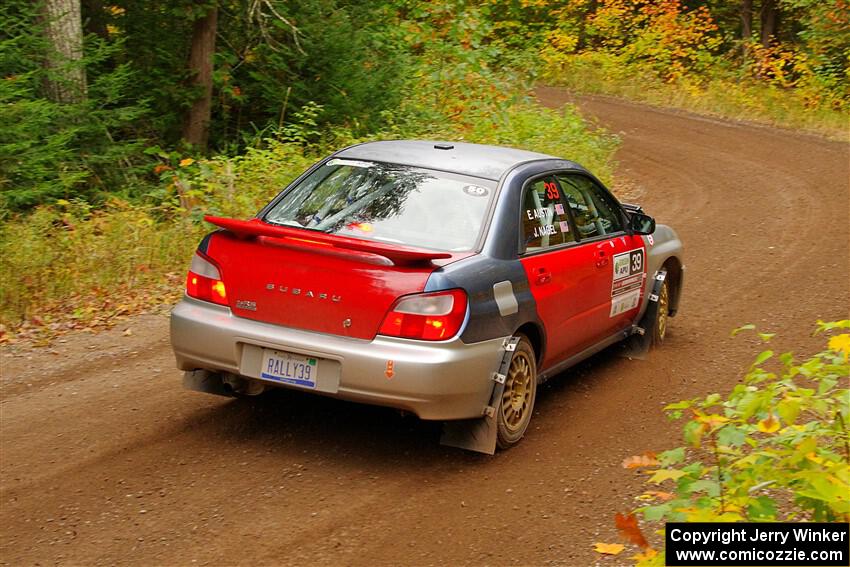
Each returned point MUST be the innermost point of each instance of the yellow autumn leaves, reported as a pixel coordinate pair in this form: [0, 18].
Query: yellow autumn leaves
[841, 343]
[769, 424]
[608, 548]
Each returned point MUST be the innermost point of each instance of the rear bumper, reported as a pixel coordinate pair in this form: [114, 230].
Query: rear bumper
[434, 380]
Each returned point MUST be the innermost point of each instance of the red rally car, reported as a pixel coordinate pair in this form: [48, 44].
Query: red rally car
[444, 279]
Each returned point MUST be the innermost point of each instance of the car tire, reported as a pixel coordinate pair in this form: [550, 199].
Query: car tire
[662, 315]
[516, 407]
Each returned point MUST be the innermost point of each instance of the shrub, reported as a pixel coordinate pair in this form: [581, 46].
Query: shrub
[776, 448]
[664, 34]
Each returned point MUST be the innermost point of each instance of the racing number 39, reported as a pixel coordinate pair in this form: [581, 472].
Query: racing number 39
[551, 190]
[637, 261]
[628, 264]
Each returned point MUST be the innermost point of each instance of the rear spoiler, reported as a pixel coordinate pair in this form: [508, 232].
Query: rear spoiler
[399, 255]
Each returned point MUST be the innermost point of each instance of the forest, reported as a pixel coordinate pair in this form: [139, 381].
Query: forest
[122, 122]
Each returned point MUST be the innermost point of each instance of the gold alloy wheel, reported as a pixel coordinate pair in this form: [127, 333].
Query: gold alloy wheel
[663, 310]
[516, 399]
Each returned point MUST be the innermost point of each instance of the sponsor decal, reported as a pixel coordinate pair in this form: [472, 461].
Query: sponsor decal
[627, 281]
[626, 302]
[350, 163]
[361, 226]
[389, 373]
[533, 214]
[247, 305]
[626, 284]
[503, 293]
[628, 264]
[650, 239]
[621, 266]
[476, 190]
[546, 230]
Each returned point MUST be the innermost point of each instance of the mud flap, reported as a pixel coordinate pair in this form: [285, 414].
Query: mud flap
[637, 346]
[205, 381]
[479, 434]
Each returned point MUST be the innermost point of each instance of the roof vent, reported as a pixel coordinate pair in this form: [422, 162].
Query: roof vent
[444, 146]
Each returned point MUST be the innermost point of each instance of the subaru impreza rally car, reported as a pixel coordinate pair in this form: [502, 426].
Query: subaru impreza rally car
[443, 279]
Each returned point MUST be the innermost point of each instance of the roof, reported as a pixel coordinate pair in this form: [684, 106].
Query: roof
[477, 160]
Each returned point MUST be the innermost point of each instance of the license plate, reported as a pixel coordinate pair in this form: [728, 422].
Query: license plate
[290, 368]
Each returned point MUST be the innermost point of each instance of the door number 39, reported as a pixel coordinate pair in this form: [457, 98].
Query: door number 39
[637, 262]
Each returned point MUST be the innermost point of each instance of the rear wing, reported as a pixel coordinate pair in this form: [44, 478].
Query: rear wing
[398, 255]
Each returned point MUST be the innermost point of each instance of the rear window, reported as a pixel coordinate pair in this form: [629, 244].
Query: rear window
[389, 203]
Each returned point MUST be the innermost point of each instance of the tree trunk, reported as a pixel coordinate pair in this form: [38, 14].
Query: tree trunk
[66, 77]
[746, 19]
[769, 21]
[196, 126]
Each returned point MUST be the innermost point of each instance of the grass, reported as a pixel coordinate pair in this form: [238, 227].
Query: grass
[67, 267]
[597, 73]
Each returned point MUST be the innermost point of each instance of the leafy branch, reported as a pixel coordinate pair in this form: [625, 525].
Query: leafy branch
[778, 446]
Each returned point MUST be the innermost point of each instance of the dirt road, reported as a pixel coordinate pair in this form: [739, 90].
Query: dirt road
[105, 459]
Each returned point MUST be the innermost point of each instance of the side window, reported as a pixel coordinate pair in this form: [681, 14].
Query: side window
[594, 211]
[545, 220]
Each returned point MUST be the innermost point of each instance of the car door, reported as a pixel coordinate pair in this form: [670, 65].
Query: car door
[614, 292]
[558, 269]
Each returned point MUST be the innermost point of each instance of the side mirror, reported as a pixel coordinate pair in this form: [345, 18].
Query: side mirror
[641, 223]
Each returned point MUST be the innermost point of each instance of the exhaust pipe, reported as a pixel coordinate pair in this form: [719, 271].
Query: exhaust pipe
[221, 384]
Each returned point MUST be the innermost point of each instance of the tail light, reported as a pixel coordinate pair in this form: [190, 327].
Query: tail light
[204, 281]
[426, 316]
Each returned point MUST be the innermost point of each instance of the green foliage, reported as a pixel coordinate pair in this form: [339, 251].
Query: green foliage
[664, 36]
[692, 55]
[50, 150]
[271, 59]
[776, 448]
[355, 65]
[235, 186]
[823, 28]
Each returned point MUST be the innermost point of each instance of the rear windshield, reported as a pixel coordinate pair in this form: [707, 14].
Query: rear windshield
[388, 203]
